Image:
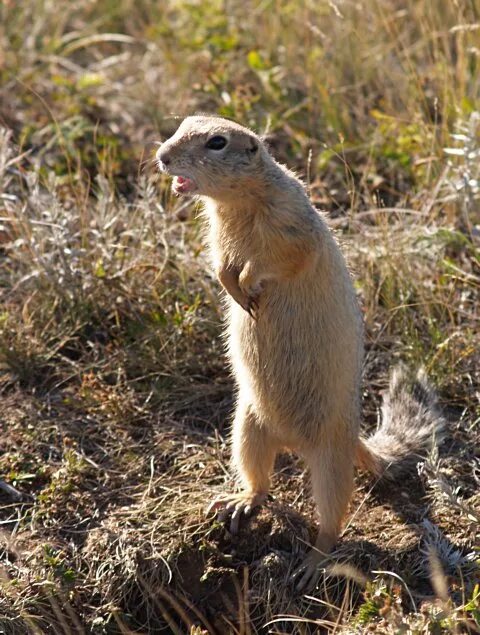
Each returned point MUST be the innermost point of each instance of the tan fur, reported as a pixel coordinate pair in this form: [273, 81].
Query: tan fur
[294, 328]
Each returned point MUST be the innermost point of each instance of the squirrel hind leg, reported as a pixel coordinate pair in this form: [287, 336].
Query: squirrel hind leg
[253, 454]
[331, 467]
[254, 448]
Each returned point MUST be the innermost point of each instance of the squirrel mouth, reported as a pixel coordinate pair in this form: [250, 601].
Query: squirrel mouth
[183, 185]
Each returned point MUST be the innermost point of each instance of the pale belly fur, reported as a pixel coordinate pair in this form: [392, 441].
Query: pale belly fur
[299, 364]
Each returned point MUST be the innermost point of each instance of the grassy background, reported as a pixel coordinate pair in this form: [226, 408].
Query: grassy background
[115, 396]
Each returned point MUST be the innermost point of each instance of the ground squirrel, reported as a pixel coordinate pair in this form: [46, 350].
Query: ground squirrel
[295, 334]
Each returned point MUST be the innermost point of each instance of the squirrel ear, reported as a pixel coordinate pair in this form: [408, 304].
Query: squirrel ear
[253, 146]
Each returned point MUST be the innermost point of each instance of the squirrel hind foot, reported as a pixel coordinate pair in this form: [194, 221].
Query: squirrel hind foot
[236, 506]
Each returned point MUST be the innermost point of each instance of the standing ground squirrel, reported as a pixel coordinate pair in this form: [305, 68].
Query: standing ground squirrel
[295, 334]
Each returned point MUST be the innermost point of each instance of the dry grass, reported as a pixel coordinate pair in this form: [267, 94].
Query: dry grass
[115, 396]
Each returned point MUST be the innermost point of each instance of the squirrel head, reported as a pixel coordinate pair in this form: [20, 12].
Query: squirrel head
[213, 157]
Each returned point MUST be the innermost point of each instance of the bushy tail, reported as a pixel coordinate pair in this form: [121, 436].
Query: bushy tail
[411, 425]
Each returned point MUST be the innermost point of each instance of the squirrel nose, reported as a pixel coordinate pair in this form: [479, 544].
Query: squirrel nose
[162, 156]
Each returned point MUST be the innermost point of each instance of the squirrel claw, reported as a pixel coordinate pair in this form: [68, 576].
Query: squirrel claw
[235, 506]
[308, 573]
[252, 307]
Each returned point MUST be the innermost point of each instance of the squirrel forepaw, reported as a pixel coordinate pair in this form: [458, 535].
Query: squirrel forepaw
[250, 300]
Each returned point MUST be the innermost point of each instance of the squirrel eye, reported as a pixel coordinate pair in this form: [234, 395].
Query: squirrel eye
[216, 143]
